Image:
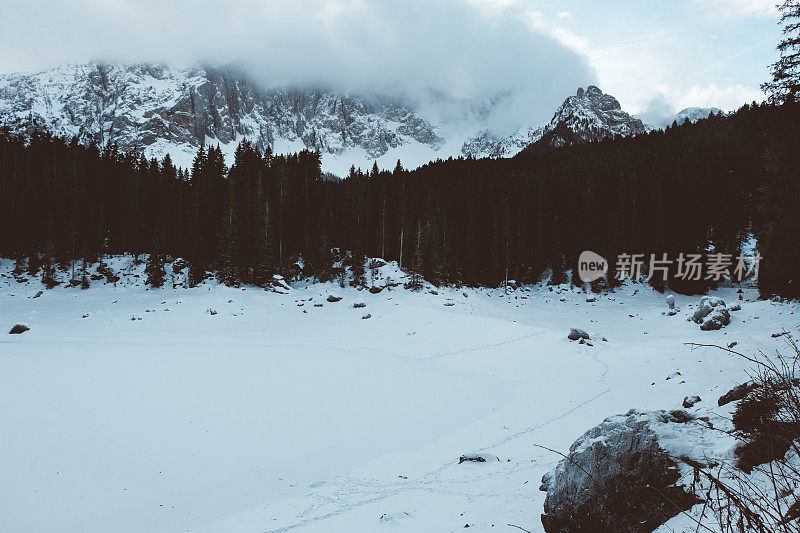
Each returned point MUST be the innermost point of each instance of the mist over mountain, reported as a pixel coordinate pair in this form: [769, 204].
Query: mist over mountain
[159, 110]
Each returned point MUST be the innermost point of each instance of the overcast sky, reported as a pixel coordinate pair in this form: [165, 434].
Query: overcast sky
[655, 57]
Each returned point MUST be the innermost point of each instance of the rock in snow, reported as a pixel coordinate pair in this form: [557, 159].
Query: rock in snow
[621, 475]
[577, 334]
[18, 328]
[712, 313]
[478, 458]
[672, 309]
[737, 393]
[331, 298]
[689, 401]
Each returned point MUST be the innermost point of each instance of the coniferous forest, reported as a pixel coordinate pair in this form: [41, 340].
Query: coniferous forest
[460, 221]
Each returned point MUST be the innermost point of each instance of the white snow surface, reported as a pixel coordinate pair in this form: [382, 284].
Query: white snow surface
[151, 414]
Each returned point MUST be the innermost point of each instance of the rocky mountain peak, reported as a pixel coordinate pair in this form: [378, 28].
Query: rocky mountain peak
[158, 109]
[589, 115]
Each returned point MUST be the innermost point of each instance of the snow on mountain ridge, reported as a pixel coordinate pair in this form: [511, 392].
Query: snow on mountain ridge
[158, 109]
[692, 114]
[163, 110]
[589, 115]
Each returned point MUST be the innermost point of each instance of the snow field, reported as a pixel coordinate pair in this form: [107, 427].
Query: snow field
[275, 415]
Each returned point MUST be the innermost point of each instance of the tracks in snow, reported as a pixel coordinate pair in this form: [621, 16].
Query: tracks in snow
[373, 491]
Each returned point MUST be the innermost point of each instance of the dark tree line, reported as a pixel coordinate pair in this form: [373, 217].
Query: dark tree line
[689, 189]
[780, 192]
[456, 221]
[65, 203]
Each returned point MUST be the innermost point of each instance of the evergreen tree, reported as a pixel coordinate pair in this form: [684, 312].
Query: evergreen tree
[781, 191]
[228, 270]
[785, 84]
[780, 209]
[154, 267]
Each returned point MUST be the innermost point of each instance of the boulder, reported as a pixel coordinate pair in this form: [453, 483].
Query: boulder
[689, 401]
[577, 334]
[478, 458]
[359, 305]
[712, 313]
[18, 328]
[375, 289]
[622, 475]
[737, 393]
[331, 298]
[672, 310]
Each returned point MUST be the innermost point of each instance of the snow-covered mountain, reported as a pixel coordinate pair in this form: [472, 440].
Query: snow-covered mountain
[158, 110]
[691, 114]
[589, 115]
[166, 110]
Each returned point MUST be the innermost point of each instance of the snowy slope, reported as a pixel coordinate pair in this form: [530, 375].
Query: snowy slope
[690, 114]
[158, 110]
[163, 110]
[284, 412]
[589, 115]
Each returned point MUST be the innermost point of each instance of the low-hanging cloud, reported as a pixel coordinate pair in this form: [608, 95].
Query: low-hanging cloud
[456, 49]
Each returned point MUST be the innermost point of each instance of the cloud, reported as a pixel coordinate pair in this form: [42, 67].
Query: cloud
[657, 110]
[727, 98]
[461, 49]
[739, 8]
[668, 101]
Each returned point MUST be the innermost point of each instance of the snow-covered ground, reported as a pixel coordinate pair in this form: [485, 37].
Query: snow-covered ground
[129, 410]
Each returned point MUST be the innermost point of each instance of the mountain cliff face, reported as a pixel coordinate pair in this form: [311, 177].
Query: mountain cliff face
[158, 110]
[590, 115]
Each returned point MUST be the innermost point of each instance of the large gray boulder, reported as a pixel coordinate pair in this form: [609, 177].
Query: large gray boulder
[622, 475]
[712, 314]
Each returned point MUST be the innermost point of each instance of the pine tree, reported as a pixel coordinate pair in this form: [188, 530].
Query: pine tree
[195, 252]
[778, 231]
[777, 235]
[48, 267]
[154, 268]
[84, 275]
[785, 84]
[228, 271]
[416, 273]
